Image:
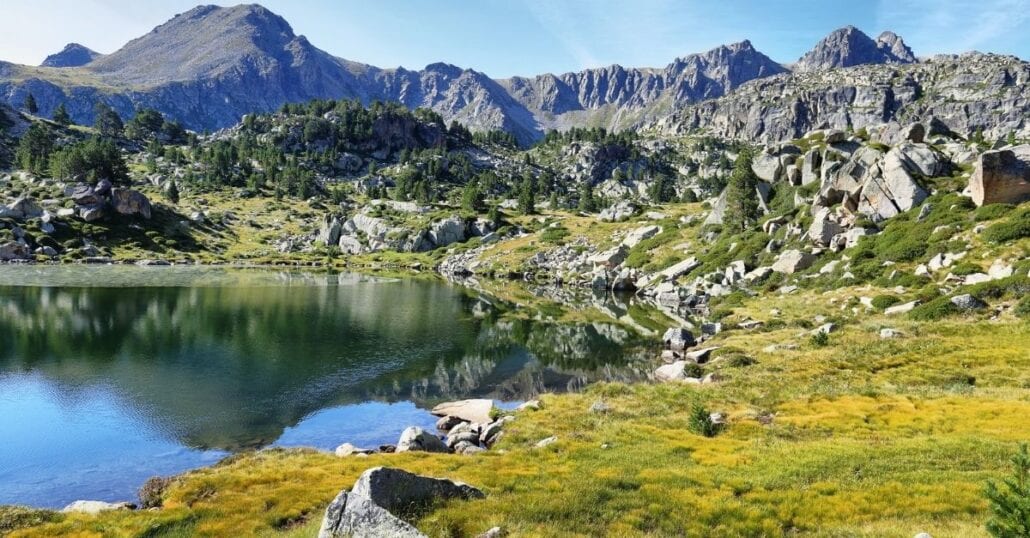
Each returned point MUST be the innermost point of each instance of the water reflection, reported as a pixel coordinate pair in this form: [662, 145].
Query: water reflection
[213, 364]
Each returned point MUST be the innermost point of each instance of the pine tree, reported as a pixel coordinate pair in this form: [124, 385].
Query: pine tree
[173, 192]
[61, 115]
[741, 197]
[527, 195]
[107, 121]
[30, 104]
[472, 197]
[587, 202]
[1009, 502]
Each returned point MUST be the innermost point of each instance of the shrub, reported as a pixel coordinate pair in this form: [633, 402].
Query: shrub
[1023, 307]
[1009, 502]
[820, 339]
[965, 268]
[1016, 227]
[881, 302]
[938, 308]
[554, 235]
[992, 211]
[739, 360]
[701, 422]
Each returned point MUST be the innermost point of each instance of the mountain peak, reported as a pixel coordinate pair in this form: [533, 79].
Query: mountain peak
[72, 55]
[204, 41]
[849, 46]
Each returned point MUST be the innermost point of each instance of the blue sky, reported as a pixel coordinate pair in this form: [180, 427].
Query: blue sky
[527, 37]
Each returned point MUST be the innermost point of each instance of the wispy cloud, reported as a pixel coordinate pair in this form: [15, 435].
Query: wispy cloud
[955, 25]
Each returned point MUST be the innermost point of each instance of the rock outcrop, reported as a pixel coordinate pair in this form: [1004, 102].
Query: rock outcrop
[1002, 176]
[380, 497]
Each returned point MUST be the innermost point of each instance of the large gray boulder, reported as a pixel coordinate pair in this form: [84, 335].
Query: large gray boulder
[634, 237]
[792, 261]
[477, 410]
[677, 339]
[95, 507]
[130, 202]
[823, 229]
[22, 208]
[767, 167]
[415, 439]
[1002, 176]
[447, 231]
[14, 250]
[611, 257]
[371, 508]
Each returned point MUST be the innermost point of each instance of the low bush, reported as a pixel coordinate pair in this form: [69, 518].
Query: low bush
[936, 309]
[701, 422]
[881, 302]
[992, 211]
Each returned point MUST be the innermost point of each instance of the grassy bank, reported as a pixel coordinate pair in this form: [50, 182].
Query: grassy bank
[868, 437]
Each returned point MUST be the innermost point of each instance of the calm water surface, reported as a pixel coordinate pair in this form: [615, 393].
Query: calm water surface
[110, 375]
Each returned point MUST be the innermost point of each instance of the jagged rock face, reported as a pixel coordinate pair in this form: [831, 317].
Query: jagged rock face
[72, 55]
[849, 46]
[960, 93]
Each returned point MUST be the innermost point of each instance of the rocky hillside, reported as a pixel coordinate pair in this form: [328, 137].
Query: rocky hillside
[969, 94]
[211, 65]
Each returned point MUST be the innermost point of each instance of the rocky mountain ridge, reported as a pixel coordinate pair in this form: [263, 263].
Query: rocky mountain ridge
[72, 55]
[209, 66]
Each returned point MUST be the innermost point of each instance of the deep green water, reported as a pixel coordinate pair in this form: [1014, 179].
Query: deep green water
[110, 375]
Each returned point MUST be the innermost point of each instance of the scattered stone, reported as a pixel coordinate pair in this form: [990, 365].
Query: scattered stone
[825, 328]
[546, 442]
[701, 355]
[447, 422]
[369, 508]
[967, 302]
[901, 308]
[495, 532]
[95, 507]
[532, 405]
[415, 439]
[887, 333]
[791, 261]
[640, 234]
[348, 449]
[130, 202]
[600, 407]
[677, 339]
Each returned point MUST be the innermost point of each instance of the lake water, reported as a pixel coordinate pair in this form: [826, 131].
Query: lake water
[110, 375]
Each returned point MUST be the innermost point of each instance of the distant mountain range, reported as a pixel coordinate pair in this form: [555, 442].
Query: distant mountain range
[211, 65]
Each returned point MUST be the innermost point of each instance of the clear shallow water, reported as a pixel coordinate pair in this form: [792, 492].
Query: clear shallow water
[110, 375]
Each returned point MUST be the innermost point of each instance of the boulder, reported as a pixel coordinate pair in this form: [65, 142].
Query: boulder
[640, 234]
[415, 439]
[611, 257]
[22, 208]
[91, 213]
[95, 507]
[671, 372]
[85, 195]
[823, 229]
[677, 339]
[547, 441]
[372, 506]
[477, 411]
[967, 302]
[1002, 176]
[792, 261]
[14, 250]
[447, 231]
[679, 269]
[618, 212]
[900, 308]
[915, 133]
[348, 449]
[130, 202]
[767, 167]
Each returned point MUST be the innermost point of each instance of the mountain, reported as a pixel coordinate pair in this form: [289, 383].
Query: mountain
[72, 55]
[849, 46]
[963, 93]
[211, 65]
